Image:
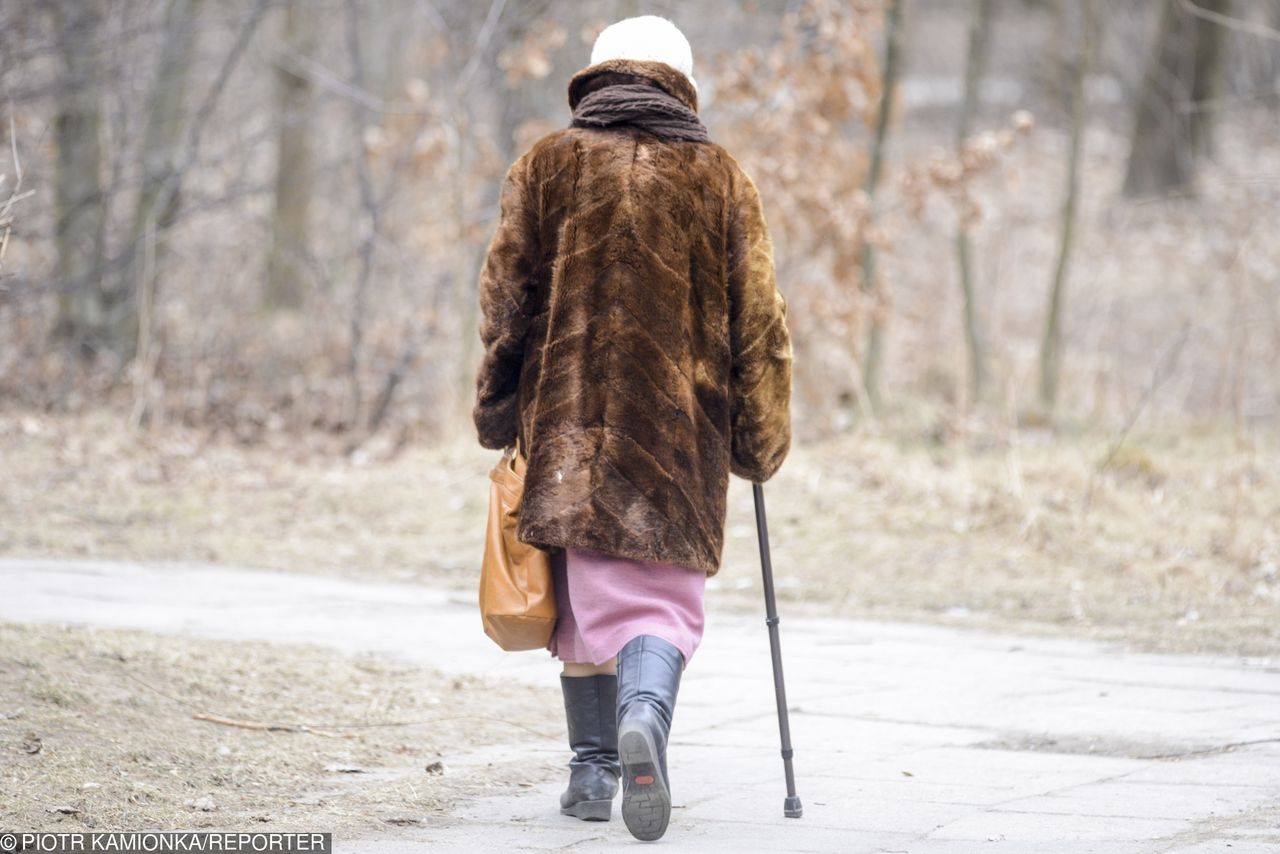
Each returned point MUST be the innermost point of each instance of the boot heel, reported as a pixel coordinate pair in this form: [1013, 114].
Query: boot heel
[601, 810]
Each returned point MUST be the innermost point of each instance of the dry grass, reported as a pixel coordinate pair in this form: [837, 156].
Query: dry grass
[89, 487]
[1174, 545]
[96, 731]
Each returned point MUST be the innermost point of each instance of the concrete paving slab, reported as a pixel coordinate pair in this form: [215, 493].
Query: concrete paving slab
[1021, 846]
[844, 790]
[1009, 826]
[1229, 845]
[1129, 798]
[1255, 765]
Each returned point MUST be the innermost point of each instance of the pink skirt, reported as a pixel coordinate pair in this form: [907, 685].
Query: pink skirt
[604, 601]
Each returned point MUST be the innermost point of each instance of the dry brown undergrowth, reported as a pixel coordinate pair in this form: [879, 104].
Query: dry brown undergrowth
[97, 732]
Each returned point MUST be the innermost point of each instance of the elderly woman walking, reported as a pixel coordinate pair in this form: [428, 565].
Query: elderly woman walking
[636, 348]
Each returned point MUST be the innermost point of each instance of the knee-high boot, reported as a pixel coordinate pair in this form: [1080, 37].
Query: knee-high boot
[649, 671]
[590, 711]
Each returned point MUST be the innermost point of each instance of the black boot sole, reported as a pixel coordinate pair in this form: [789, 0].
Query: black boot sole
[646, 800]
[590, 810]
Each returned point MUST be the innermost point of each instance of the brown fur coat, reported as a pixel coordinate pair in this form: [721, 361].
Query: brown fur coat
[635, 340]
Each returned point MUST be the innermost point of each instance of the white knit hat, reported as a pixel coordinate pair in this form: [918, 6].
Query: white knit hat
[647, 37]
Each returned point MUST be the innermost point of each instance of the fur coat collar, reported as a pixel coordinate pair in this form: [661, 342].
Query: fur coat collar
[665, 77]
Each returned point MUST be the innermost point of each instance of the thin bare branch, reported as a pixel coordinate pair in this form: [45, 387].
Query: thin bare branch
[304, 66]
[482, 41]
[15, 195]
[1262, 31]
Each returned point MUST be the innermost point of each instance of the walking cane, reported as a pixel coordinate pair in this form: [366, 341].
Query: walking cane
[791, 806]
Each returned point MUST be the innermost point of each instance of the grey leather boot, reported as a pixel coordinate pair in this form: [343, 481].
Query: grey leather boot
[648, 679]
[590, 710]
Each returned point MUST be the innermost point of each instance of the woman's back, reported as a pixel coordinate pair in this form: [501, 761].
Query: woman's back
[636, 341]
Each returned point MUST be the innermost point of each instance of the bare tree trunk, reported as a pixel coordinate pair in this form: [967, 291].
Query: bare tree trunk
[1168, 128]
[1206, 85]
[385, 42]
[371, 209]
[290, 226]
[979, 30]
[1051, 342]
[155, 209]
[1160, 155]
[80, 207]
[509, 110]
[875, 335]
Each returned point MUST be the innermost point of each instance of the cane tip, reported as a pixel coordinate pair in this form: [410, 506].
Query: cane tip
[791, 807]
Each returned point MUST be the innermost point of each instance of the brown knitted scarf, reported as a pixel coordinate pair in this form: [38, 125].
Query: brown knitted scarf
[643, 106]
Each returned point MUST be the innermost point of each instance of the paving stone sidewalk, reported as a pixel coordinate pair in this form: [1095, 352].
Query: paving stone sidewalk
[908, 738]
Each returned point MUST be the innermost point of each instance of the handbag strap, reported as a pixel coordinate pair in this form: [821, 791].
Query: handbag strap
[514, 456]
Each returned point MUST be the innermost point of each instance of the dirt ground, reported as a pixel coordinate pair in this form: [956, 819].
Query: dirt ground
[1173, 544]
[97, 731]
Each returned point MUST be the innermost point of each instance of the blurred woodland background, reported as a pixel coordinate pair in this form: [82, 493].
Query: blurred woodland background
[1029, 250]
[268, 215]
[1030, 254]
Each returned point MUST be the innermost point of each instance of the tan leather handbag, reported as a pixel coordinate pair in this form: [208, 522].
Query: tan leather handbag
[517, 601]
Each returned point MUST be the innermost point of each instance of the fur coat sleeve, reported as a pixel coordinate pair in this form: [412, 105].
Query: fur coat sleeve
[506, 293]
[760, 378]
